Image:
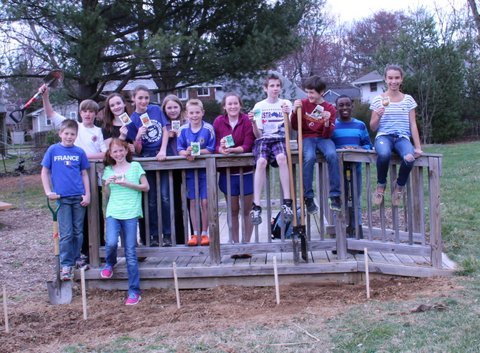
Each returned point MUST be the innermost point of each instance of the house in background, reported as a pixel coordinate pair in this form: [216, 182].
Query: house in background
[40, 121]
[370, 85]
[333, 92]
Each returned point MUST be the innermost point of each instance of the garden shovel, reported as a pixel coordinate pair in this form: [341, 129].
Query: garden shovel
[51, 80]
[59, 292]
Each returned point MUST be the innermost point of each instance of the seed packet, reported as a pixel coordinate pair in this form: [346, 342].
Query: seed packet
[257, 115]
[229, 142]
[119, 177]
[125, 119]
[175, 125]
[317, 112]
[145, 119]
[195, 148]
[385, 101]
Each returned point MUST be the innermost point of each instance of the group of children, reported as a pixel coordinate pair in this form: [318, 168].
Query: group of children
[151, 131]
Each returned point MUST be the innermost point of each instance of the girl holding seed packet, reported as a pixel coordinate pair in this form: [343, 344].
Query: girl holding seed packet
[149, 132]
[234, 134]
[116, 119]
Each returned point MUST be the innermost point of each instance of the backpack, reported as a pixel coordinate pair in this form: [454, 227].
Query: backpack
[276, 227]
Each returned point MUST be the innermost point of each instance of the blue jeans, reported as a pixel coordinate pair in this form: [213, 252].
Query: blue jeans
[152, 200]
[327, 148]
[70, 225]
[384, 145]
[356, 199]
[127, 228]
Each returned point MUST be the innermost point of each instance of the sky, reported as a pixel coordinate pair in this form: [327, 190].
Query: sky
[351, 10]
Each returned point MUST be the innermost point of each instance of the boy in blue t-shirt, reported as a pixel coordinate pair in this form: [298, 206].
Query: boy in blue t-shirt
[351, 133]
[65, 179]
[196, 138]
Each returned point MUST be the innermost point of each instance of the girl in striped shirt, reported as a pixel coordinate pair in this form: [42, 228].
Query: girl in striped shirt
[393, 117]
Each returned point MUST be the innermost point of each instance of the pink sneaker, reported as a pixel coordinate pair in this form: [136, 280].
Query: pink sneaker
[133, 299]
[107, 272]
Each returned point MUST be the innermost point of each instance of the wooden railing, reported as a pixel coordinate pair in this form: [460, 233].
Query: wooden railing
[413, 228]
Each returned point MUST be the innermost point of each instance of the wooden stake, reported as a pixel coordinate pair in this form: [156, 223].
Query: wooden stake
[275, 274]
[5, 310]
[175, 280]
[84, 292]
[367, 274]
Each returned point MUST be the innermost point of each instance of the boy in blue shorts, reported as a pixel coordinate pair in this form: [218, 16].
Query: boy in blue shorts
[269, 130]
[195, 138]
[351, 133]
[65, 179]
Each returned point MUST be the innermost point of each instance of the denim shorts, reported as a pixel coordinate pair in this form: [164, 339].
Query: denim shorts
[235, 184]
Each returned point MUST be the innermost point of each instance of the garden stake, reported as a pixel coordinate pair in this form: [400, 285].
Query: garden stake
[84, 292]
[175, 280]
[5, 310]
[367, 275]
[275, 275]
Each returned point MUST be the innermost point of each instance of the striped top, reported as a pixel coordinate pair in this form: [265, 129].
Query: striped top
[124, 202]
[351, 133]
[395, 120]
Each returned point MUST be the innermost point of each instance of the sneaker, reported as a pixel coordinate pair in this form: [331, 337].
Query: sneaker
[133, 299]
[335, 203]
[193, 241]
[66, 274]
[204, 240]
[287, 213]
[255, 213]
[154, 242]
[312, 207]
[167, 241]
[107, 272]
[82, 262]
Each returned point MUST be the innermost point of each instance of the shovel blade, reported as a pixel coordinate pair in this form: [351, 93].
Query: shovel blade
[59, 292]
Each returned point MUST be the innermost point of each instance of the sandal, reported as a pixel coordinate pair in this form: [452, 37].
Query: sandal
[378, 196]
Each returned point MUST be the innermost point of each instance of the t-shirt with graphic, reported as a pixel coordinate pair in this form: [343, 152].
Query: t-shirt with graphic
[272, 123]
[205, 136]
[125, 202]
[90, 139]
[396, 118]
[152, 139]
[66, 165]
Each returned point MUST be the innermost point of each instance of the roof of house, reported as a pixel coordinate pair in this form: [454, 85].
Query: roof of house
[372, 76]
[149, 83]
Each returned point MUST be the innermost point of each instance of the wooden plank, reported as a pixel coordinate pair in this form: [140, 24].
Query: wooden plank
[406, 259]
[421, 260]
[391, 258]
[376, 256]
[447, 263]
[320, 256]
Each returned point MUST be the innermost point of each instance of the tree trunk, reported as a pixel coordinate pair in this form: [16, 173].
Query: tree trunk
[476, 17]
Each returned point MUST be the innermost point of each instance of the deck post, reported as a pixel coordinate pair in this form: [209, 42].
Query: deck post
[434, 169]
[213, 224]
[93, 218]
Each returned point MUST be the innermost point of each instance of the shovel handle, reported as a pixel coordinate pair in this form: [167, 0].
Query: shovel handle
[56, 239]
[53, 210]
[300, 161]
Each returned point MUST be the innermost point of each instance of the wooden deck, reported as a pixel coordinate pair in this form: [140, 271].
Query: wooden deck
[401, 240]
[198, 272]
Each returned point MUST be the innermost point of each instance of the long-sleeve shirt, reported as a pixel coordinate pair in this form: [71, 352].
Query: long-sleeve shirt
[242, 134]
[312, 127]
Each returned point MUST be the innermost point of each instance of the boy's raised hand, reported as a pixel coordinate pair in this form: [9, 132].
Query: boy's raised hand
[297, 104]
[286, 108]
